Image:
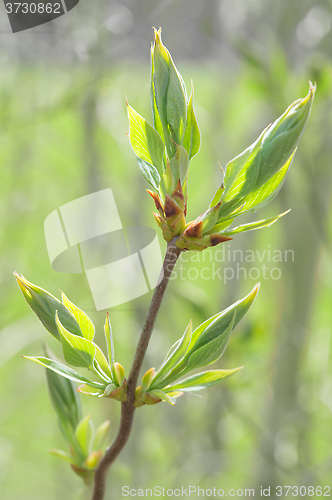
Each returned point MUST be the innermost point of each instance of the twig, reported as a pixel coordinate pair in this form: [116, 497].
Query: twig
[127, 407]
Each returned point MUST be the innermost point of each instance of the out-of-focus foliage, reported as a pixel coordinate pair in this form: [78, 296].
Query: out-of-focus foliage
[62, 130]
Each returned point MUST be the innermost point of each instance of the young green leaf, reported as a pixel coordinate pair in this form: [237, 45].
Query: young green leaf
[263, 194]
[176, 353]
[192, 135]
[44, 305]
[243, 171]
[89, 390]
[110, 346]
[101, 435]
[210, 330]
[64, 456]
[85, 323]
[119, 374]
[216, 325]
[63, 370]
[147, 379]
[176, 104]
[163, 396]
[102, 363]
[77, 351]
[212, 351]
[145, 141]
[179, 164]
[254, 225]
[84, 434]
[150, 173]
[168, 94]
[258, 165]
[201, 381]
[63, 395]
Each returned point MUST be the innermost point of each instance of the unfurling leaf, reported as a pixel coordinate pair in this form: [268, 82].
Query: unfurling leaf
[64, 371]
[175, 354]
[147, 379]
[211, 351]
[45, 305]
[150, 173]
[77, 351]
[252, 177]
[206, 344]
[89, 390]
[168, 95]
[202, 380]
[85, 323]
[64, 456]
[84, 434]
[145, 141]
[254, 225]
[101, 435]
[192, 135]
[64, 397]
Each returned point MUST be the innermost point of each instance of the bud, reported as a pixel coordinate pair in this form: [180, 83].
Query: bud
[120, 373]
[147, 379]
[169, 97]
[45, 305]
[114, 392]
[93, 460]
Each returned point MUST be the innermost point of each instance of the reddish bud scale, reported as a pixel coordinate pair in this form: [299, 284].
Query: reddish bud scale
[157, 200]
[120, 393]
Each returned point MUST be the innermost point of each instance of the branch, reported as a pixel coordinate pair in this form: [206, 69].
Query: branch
[127, 407]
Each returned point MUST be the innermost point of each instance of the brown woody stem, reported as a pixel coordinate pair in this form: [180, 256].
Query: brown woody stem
[127, 407]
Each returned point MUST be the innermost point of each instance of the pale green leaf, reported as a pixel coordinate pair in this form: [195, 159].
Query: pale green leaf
[150, 173]
[163, 396]
[101, 435]
[212, 351]
[64, 456]
[44, 305]
[84, 434]
[201, 381]
[63, 370]
[254, 225]
[110, 346]
[192, 135]
[89, 390]
[217, 196]
[77, 351]
[147, 379]
[85, 323]
[179, 164]
[220, 322]
[262, 195]
[242, 172]
[63, 394]
[176, 353]
[176, 107]
[102, 362]
[145, 141]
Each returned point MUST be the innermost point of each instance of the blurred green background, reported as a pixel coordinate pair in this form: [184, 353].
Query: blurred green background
[63, 124]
